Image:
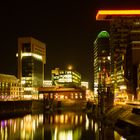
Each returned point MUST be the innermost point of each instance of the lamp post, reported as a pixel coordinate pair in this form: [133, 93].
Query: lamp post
[70, 67]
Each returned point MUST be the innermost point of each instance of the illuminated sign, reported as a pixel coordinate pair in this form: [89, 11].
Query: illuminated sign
[103, 13]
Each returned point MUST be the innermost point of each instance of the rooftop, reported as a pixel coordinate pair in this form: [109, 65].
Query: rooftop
[8, 78]
[103, 34]
[107, 14]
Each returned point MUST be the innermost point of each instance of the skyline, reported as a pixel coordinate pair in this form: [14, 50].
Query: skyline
[65, 28]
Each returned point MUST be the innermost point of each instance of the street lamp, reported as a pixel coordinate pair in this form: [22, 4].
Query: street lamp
[70, 67]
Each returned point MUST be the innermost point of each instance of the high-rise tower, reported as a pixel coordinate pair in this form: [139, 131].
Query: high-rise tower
[124, 42]
[31, 60]
[101, 54]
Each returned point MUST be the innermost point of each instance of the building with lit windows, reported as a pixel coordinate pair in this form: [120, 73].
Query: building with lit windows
[85, 84]
[101, 61]
[31, 60]
[124, 42]
[47, 83]
[9, 87]
[68, 78]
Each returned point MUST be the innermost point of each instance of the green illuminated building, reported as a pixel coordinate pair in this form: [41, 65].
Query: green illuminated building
[125, 49]
[101, 63]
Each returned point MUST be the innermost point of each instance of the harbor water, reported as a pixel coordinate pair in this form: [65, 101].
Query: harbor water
[58, 125]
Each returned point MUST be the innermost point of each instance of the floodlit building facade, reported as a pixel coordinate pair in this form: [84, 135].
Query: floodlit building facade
[31, 60]
[124, 42]
[9, 87]
[101, 61]
[65, 77]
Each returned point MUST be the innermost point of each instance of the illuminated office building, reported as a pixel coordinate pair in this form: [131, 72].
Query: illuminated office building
[101, 61]
[31, 60]
[65, 77]
[124, 42]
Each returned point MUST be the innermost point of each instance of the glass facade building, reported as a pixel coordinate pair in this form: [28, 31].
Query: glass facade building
[101, 61]
[31, 60]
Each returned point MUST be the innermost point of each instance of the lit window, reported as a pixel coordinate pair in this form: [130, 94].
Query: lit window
[51, 95]
[66, 97]
[76, 96]
[71, 95]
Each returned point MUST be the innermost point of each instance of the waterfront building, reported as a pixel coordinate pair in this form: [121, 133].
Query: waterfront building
[101, 62]
[9, 87]
[63, 93]
[67, 78]
[31, 60]
[124, 42]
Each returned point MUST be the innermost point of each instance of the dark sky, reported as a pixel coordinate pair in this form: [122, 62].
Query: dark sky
[68, 27]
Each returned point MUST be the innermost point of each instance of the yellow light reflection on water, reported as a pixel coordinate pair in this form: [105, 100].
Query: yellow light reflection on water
[66, 134]
[81, 118]
[66, 118]
[62, 119]
[87, 123]
[67, 126]
[20, 128]
[76, 120]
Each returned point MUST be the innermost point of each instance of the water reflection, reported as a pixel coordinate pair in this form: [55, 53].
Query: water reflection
[20, 128]
[56, 126]
[67, 126]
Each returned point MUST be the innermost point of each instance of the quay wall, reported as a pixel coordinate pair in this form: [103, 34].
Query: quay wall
[124, 119]
[70, 104]
[20, 106]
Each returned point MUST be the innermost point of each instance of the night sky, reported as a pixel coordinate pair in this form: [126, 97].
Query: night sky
[68, 27]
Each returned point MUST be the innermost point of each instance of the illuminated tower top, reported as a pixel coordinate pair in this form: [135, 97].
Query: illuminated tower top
[28, 45]
[103, 34]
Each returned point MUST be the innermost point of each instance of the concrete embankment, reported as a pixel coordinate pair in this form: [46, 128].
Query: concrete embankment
[124, 119]
[21, 107]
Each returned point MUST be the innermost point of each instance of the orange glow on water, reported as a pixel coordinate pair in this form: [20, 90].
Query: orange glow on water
[103, 13]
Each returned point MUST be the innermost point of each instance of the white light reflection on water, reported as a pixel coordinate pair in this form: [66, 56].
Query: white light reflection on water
[96, 127]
